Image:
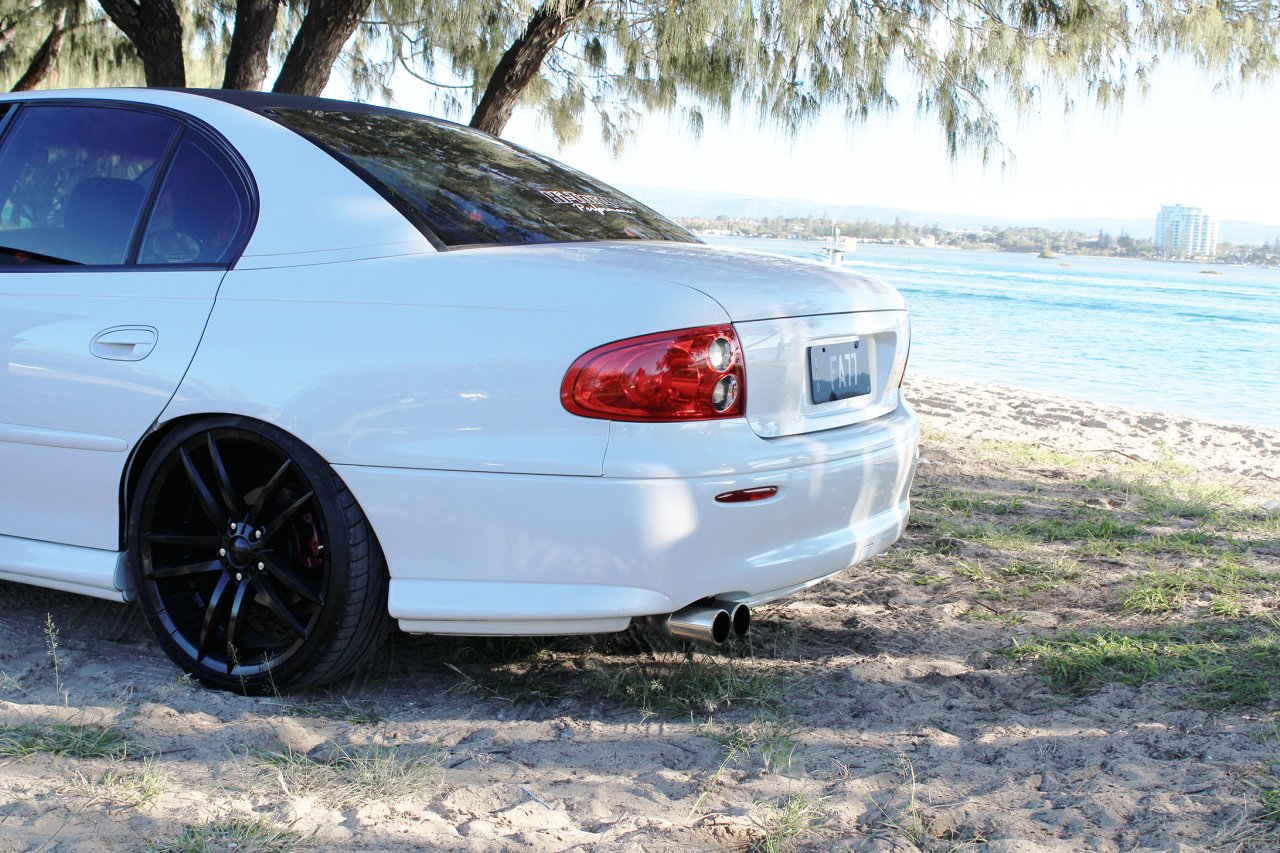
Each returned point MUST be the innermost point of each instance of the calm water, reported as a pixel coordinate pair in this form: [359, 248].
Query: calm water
[1146, 334]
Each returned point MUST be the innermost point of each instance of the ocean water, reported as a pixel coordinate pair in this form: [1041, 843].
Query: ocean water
[1157, 335]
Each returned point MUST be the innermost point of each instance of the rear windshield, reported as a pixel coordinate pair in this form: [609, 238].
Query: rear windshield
[468, 188]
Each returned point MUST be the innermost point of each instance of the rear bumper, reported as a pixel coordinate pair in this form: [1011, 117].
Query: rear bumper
[476, 553]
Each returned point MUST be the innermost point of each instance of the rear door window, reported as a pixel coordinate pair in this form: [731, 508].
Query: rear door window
[75, 181]
[201, 209]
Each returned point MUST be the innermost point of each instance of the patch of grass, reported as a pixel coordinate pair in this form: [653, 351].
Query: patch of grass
[360, 713]
[695, 684]
[792, 821]
[912, 820]
[1162, 492]
[956, 500]
[1269, 803]
[132, 788]
[240, 835]
[1257, 827]
[1087, 525]
[1229, 663]
[770, 738]
[1041, 573]
[351, 776]
[1156, 592]
[1226, 580]
[1083, 524]
[1025, 455]
[77, 740]
[1020, 574]
[511, 683]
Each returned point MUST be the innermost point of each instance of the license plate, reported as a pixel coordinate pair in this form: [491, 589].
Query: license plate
[839, 371]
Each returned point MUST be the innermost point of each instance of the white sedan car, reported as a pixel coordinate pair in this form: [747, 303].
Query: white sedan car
[284, 369]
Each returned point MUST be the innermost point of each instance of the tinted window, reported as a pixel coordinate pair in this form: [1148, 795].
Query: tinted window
[74, 182]
[200, 209]
[469, 188]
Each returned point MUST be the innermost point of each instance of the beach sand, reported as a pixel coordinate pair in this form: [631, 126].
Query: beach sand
[968, 411]
[885, 709]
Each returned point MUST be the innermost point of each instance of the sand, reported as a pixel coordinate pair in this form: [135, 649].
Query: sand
[898, 726]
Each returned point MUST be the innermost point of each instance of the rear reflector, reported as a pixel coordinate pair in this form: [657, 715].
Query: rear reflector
[743, 496]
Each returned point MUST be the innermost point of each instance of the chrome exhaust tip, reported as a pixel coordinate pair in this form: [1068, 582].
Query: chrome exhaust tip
[739, 617]
[699, 623]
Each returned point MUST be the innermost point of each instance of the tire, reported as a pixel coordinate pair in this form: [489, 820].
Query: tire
[252, 561]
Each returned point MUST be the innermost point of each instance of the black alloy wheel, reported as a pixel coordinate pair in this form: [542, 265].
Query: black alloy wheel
[252, 562]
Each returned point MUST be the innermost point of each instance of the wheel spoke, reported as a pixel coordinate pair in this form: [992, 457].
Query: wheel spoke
[285, 518]
[191, 541]
[271, 489]
[230, 499]
[200, 568]
[208, 503]
[213, 614]
[235, 623]
[284, 573]
[280, 607]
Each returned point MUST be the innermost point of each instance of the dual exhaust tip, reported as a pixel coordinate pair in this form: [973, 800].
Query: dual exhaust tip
[709, 623]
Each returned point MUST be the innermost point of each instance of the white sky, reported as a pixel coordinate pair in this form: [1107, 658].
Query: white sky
[1182, 144]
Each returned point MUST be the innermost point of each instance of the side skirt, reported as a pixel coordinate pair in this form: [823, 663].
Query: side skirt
[70, 568]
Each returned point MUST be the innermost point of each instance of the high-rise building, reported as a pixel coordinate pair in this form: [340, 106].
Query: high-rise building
[1185, 232]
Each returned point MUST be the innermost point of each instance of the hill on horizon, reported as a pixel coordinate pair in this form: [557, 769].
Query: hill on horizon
[677, 202]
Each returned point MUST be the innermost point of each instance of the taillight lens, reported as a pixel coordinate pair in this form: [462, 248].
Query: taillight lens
[687, 375]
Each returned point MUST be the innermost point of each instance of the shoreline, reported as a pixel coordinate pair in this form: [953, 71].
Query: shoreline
[998, 413]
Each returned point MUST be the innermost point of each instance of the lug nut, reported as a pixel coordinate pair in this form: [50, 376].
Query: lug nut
[222, 552]
[233, 527]
[262, 566]
[257, 534]
[239, 577]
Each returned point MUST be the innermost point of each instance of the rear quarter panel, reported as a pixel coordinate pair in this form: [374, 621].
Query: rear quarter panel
[449, 361]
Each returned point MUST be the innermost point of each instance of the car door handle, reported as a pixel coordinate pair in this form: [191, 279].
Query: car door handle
[125, 343]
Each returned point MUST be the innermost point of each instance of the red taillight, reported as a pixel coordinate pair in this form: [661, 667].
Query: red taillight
[687, 375]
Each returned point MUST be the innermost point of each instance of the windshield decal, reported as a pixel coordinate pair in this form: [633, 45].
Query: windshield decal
[586, 202]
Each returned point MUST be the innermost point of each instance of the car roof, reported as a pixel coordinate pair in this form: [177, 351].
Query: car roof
[263, 101]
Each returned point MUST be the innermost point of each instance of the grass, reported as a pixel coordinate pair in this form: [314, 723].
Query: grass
[254, 835]
[792, 821]
[694, 685]
[352, 776]
[128, 787]
[1166, 490]
[76, 740]
[1227, 664]
[1023, 455]
[934, 499]
[912, 821]
[1228, 580]
[771, 739]
[515, 683]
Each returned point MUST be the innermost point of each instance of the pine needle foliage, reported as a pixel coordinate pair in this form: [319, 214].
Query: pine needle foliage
[611, 62]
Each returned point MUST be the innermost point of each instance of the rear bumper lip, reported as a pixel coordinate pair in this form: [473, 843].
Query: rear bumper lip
[480, 553]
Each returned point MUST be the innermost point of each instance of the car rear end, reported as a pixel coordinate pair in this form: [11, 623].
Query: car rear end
[571, 414]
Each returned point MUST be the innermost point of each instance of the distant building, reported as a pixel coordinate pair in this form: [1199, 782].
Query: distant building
[1185, 232]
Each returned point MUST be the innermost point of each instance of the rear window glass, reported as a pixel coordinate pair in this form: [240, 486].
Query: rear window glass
[468, 188]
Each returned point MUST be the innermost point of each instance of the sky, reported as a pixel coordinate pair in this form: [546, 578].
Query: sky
[1183, 143]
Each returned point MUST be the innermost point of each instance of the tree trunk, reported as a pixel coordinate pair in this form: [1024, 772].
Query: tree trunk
[325, 29]
[250, 44]
[42, 62]
[155, 29]
[522, 62]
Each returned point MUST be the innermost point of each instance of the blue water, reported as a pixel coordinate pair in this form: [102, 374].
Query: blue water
[1155, 335]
